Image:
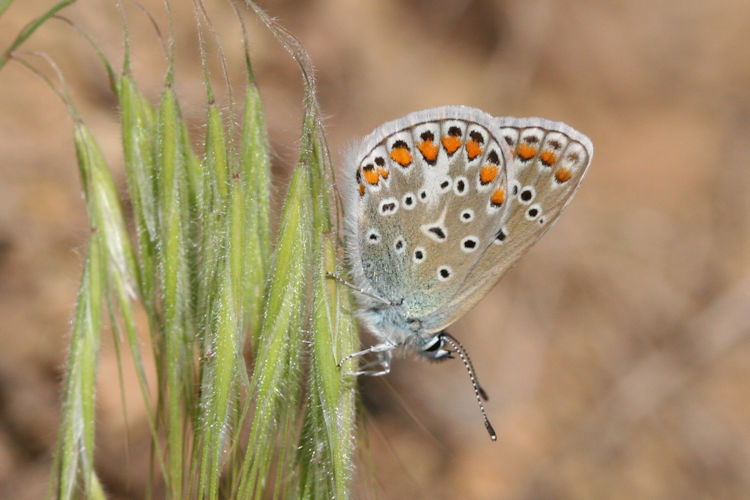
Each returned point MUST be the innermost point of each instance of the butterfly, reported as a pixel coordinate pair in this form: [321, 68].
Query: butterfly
[438, 205]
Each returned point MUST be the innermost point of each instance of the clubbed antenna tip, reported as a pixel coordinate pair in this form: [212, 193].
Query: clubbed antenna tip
[478, 391]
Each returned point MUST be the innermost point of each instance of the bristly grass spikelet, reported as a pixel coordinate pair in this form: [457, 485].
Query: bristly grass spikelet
[244, 329]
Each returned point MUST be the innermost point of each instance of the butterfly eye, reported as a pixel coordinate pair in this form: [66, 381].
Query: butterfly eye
[434, 345]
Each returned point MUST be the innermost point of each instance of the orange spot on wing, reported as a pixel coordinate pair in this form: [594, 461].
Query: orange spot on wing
[402, 156]
[451, 143]
[370, 175]
[473, 149]
[548, 158]
[563, 174]
[498, 197]
[383, 173]
[488, 173]
[429, 150]
[526, 151]
[361, 189]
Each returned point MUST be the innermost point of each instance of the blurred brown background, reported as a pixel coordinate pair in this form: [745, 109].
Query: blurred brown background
[616, 353]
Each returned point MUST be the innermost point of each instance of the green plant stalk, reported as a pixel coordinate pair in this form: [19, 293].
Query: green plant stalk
[219, 387]
[214, 207]
[75, 445]
[173, 278]
[192, 222]
[225, 343]
[4, 4]
[324, 459]
[309, 484]
[105, 210]
[249, 249]
[203, 245]
[255, 175]
[118, 258]
[138, 125]
[29, 29]
[216, 153]
[333, 339]
[286, 446]
[275, 373]
[237, 248]
[320, 180]
[327, 444]
[106, 214]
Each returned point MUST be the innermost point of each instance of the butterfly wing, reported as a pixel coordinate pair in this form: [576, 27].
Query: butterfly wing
[430, 194]
[549, 161]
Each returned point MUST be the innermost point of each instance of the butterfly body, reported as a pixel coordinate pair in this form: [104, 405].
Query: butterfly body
[438, 205]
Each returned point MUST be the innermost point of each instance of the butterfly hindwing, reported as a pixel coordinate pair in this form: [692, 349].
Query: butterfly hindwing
[549, 160]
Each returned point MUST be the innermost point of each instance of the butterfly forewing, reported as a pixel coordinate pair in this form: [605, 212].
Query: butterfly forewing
[431, 196]
[549, 160]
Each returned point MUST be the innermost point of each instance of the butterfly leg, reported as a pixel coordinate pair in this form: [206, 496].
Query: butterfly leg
[384, 363]
[384, 357]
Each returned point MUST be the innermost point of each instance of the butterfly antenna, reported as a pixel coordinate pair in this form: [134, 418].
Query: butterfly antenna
[478, 391]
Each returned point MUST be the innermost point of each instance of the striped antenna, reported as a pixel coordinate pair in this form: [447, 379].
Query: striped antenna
[478, 391]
